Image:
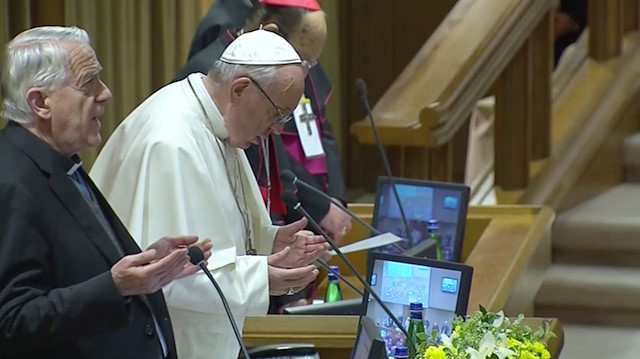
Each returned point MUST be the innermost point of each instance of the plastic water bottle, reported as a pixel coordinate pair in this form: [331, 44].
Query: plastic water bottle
[333, 293]
[401, 353]
[433, 235]
[416, 326]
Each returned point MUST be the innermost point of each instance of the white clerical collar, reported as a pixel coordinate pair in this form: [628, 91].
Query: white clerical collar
[214, 118]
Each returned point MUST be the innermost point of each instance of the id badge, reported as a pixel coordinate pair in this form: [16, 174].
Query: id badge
[308, 129]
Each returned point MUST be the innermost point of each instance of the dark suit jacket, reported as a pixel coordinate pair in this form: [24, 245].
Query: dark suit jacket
[57, 297]
[222, 15]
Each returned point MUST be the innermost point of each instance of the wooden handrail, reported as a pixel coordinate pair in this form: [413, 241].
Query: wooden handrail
[435, 93]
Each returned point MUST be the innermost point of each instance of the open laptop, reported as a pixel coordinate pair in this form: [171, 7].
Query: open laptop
[422, 201]
[369, 343]
[442, 288]
[342, 307]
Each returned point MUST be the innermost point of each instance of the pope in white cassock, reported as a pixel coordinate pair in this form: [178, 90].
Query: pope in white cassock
[176, 165]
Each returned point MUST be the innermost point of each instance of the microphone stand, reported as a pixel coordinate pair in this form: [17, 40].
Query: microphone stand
[289, 176]
[361, 88]
[197, 257]
[291, 200]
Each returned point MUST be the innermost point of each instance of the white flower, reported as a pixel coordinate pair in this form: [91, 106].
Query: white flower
[488, 347]
[497, 323]
[447, 341]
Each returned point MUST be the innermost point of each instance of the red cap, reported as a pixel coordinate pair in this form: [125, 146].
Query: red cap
[312, 5]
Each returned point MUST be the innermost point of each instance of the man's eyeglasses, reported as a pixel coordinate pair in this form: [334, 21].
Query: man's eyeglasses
[282, 118]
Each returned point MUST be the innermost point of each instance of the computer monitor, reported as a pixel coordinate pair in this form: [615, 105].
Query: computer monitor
[369, 343]
[422, 201]
[442, 288]
[342, 307]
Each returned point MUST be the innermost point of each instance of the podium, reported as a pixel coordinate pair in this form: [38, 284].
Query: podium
[334, 336]
[509, 248]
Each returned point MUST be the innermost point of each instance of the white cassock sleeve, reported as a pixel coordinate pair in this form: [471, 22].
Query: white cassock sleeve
[178, 191]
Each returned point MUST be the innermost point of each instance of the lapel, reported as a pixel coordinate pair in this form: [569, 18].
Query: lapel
[77, 206]
[124, 237]
[54, 166]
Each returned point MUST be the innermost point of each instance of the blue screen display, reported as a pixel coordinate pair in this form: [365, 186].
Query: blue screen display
[449, 285]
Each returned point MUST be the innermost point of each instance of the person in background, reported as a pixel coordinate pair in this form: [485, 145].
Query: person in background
[73, 283]
[569, 22]
[307, 146]
[176, 164]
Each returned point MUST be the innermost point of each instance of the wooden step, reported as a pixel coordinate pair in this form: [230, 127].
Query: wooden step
[602, 231]
[592, 295]
[631, 158]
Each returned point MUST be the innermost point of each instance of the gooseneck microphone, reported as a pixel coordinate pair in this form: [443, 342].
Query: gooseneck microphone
[290, 177]
[361, 89]
[337, 274]
[196, 257]
[291, 200]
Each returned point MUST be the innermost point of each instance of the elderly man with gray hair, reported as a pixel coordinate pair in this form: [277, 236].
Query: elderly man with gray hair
[73, 283]
[176, 165]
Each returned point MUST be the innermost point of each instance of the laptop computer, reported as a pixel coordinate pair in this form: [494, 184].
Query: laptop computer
[442, 288]
[422, 201]
[369, 343]
[342, 307]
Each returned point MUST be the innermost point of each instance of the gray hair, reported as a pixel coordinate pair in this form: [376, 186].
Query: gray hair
[222, 73]
[36, 58]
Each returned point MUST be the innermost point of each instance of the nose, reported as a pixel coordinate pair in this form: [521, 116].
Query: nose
[105, 94]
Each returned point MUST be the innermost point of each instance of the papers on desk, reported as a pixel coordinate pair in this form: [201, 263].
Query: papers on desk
[369, 243]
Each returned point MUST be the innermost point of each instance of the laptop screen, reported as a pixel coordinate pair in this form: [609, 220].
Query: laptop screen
[442, 288]
[422, 201]
[369, 344]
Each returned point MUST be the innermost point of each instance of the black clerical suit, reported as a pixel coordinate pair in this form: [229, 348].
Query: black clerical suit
[57, 296]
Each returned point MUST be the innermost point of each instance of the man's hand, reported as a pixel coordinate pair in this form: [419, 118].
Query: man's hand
[147, 272]
[336, 223]
[305, 247]
[166, 245]
[283, 281]
[189, 268]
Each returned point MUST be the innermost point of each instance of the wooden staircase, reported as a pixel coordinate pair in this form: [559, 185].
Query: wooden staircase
[595, 275]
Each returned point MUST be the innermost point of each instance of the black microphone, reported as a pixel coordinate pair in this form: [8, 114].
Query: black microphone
[291, 200]
[196, 257]
[289, 177]
[361, 89]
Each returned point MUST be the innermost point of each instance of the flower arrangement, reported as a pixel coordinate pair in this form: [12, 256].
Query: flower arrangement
[486, 335]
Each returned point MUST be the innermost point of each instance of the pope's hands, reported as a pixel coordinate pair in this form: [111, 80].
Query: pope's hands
[283, 281]
[305, 247]
[164, 261]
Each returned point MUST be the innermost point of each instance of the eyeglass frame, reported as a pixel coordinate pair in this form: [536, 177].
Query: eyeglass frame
[283, 119]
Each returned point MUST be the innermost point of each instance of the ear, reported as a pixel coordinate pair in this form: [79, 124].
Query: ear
[39, 102]
[271, 26]
[238, 88]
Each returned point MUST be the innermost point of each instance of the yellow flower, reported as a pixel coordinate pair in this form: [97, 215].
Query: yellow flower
[525, 354]
[457, 329]
[513, 343]
[539, 348]
[435, 353]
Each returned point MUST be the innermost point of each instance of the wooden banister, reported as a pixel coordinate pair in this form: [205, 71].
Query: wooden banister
[435, 93]
[605, 21]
